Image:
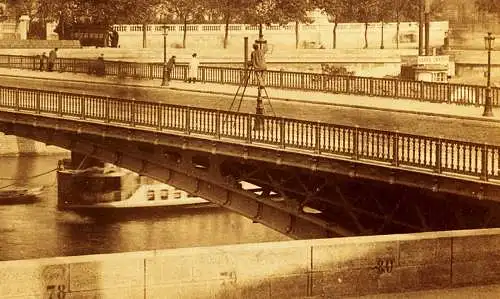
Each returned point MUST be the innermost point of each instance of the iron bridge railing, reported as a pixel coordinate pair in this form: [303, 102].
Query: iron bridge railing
[381, 87]
[443, 156]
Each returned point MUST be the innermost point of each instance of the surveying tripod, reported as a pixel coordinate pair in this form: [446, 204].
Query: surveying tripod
[244, 83]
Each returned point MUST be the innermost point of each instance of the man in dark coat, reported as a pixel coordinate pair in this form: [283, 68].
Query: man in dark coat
[52, 60]
[258, 63]
[170, 68]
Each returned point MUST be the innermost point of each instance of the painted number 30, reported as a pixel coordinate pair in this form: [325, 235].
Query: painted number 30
[384, 265]
[56, 291]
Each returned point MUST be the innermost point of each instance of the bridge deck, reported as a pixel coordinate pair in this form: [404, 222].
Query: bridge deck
[466, 112]
[448, 157]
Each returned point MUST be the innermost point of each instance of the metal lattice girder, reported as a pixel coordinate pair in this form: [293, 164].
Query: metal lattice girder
[125, 154]
[139, 151]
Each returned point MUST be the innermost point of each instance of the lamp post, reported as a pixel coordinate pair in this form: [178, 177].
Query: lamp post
[259, 108]
[165, 33]
[488, 44]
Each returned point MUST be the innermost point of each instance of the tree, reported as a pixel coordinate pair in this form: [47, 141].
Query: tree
[491, 6]
[229, 10]
[293, 10]
[184, 10]
[383, 12]
[338, 11]
[363, 12]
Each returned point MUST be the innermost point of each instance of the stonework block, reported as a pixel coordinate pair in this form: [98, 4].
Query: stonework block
[126, 293]
[280, 261]
[424, 252]
[475, 272]
[294, 286]
[201, 290]
[214, 265]
[117, 273]
[476, 248]
[335, 284]
[32, 279]
[167, 269]
[424, 277]
[353, 255]
[254, 289]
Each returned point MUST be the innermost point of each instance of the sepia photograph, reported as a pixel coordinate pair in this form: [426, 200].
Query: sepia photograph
[265, 149]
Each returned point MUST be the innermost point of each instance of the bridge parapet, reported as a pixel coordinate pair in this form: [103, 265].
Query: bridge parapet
[322, 142]
[295, 269]
[381, 87]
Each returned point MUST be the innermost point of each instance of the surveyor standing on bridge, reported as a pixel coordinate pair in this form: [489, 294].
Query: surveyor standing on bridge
[258, 63]
[52, 60]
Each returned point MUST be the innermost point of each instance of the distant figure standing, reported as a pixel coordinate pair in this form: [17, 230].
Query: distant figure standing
[114, 38]
[52, 60]
[43, 61]
[258, 63]
[170, 68]
[193, 68]
[100, 67]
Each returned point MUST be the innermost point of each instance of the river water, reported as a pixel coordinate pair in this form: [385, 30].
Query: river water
[39, 230]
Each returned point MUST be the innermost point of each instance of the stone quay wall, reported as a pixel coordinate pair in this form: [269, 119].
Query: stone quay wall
[293, 269]
[11, 145]
[319, 34]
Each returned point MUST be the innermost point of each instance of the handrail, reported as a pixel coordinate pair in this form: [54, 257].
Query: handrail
[424, 153]
[462, 94]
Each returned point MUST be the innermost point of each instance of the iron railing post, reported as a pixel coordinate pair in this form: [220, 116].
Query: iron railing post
[484, 162]
[82, 107]
[317, 132]
[187, 120]
[395, 149]
[355, 142]
[438, 154]
[38, 110]
[59, 104]
[282, 132]
[159, 116]
[106, 103]
[218, 116]
[249, 128]
[17, 100]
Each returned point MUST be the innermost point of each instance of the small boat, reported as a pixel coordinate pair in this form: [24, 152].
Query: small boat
[112, 191]
[19, 195]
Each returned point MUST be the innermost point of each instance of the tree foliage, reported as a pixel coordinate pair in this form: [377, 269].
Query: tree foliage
[491, 6]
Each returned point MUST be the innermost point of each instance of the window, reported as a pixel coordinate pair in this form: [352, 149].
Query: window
[164, 194]
[151, 195]
[177, 194]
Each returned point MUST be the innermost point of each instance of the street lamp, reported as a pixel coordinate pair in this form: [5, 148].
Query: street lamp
[259, 108]
[165, 33]
[488, 44]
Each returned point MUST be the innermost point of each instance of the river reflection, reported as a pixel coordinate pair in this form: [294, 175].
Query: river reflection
[39, 230]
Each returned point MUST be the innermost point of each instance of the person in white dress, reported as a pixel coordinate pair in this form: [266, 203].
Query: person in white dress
[193, 69]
